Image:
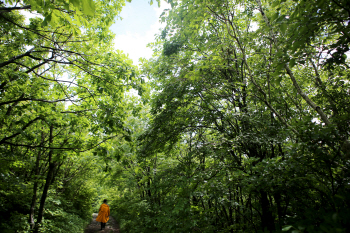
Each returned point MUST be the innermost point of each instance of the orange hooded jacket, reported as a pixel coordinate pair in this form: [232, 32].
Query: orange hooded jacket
[103, 213]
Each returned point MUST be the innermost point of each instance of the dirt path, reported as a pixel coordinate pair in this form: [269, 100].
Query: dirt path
[94, 227]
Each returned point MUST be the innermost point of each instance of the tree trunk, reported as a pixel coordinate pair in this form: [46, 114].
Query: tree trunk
[277, 198]
[35, 188]
[50, 174]
[266, 216]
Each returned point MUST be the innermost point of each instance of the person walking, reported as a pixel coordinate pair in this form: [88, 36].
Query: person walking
[103, 214]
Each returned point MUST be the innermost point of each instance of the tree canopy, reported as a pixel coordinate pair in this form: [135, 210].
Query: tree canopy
[242, 123]
[62, 101]
[250, 122]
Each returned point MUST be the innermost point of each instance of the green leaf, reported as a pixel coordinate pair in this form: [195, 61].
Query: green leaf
[279, 67]
[296, 45]
[284, 27]
[287, 228]
[279, 79]
[275, 3]
[77, 19]
[54, 18]
[76, 3]
[292, 62]
[275, 16]
[47, 20]
[88, 7]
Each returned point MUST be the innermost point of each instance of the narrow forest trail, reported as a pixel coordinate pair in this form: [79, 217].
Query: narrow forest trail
[94, 227]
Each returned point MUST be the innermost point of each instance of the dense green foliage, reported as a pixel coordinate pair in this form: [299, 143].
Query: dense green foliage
[62, 102]
[249, 123]
[243, 125]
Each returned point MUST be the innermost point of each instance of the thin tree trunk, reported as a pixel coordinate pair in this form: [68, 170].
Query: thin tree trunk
[50, 174]
[266, 216]
[277, 198]
[313, 105]
[35, 188]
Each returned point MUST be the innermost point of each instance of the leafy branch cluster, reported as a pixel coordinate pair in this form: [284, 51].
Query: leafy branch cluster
[62, 101]
[249, 125]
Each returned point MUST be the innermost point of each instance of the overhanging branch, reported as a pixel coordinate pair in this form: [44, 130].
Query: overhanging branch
[9, 9]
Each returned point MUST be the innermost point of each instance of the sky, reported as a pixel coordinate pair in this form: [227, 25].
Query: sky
[137, 28]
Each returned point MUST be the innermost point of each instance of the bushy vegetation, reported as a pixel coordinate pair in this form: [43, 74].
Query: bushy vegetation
[61, 101]
[243, 125]
[249, 123]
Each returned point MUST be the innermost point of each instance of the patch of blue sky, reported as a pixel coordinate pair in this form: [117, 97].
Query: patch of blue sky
[138, 27]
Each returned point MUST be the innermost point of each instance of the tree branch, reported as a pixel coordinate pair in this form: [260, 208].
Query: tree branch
[39, 100]
[76, 149]
[9, 9]
[18, 133]
[17, 57]
[77, 112]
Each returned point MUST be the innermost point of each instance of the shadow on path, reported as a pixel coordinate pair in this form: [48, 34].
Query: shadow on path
[95, 227]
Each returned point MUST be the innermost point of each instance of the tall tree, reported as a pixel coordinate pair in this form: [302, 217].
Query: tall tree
[61, 94]
[256, 91]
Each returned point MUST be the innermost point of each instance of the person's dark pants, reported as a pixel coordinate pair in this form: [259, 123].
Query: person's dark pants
[103, 225]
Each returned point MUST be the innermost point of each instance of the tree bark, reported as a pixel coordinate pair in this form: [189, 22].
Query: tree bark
[50, 174]
[35, 188]
[266, 216]
[17, 57]
[9, 9]
[291, 75]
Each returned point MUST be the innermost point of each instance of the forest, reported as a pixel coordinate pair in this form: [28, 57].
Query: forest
[240, 121]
